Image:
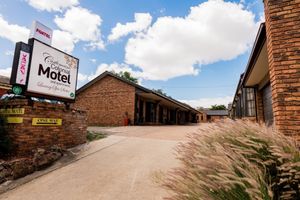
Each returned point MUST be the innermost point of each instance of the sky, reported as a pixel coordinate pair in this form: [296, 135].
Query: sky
[193, 50]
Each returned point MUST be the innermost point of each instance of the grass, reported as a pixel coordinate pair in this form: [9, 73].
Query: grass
[92, 136]
[236, 160]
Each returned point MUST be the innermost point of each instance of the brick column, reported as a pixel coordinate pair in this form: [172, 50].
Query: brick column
[283, 44]
[157, 113]
[259, 107]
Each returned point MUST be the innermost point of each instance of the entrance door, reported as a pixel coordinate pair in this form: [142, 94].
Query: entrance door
[150, 112]
[267, 104]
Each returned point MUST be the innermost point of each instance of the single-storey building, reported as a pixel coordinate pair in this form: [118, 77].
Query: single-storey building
[4, 85]
[253, 97]
[212, 115]
[269, 89]
[113, 101]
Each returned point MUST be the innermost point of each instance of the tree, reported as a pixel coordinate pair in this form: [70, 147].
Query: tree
[160, 91]
[200, 108]
[218, 107]
[126, 75]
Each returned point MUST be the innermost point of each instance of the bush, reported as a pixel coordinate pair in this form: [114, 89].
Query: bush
[91, 136]
[236, 161]
[5, 142]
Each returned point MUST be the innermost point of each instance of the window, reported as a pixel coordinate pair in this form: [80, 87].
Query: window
[250, 102]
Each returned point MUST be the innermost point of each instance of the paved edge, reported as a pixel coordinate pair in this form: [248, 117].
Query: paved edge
[66, 160]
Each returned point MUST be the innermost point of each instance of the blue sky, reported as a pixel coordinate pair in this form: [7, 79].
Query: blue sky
[193, 50]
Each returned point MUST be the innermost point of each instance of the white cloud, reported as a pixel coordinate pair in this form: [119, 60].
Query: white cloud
[94, 45]
[116, 67]
[176, 46]
[83, 25]
[63, 40]
[5, 72]
[9, 53]
[82, 77]
[93, 60]
[13, 32]
[142, 22]
[52, 5]
[208, 102]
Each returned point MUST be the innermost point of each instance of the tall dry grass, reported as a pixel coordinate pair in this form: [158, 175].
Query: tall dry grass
[236, 160]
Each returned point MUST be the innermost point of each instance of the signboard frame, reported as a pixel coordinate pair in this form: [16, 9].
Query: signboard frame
[20, 46]
[43, 95]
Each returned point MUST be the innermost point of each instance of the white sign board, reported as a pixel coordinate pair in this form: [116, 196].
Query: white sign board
[41, 32]
[52, 73]
[21, 74]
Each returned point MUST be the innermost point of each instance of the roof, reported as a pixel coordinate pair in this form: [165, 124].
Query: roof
[216, 112]
[257, 46]
[106, 73]
[4, 80]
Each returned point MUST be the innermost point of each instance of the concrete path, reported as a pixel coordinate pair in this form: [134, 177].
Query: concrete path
[119, 167]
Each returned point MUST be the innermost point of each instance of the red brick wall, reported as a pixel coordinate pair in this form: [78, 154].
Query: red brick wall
[2, 91]
[26, 137]
[283, 37]
[259, 107]
[217, 118]
[107, 101]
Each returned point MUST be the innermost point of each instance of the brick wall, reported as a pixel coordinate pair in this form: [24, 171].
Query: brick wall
[259, 107]
[26, 137]
[3, 91]
[106, 102]
[283, 37]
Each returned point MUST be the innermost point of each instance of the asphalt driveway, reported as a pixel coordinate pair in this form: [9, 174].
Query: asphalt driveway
[122, 166]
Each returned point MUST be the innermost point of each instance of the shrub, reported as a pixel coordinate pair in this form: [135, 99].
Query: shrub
[91, 136]
[236, 160]
[5, 142]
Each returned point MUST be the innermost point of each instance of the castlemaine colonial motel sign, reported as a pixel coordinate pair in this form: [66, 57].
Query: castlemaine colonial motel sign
[41, 71]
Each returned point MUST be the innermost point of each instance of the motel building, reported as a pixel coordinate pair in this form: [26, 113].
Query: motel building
[269, 89]
[212, 115]
[113, 101]
[4, 85]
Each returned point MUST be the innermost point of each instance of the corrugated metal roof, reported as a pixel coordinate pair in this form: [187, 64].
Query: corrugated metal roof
[216, 112]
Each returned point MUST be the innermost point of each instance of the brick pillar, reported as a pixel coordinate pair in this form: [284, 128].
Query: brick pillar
[283, 44]
[259, 107]
[157, 113]
[144, 111]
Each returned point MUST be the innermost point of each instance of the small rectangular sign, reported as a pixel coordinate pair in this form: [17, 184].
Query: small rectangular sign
[14, 120]
[41, 32]
[22, 68]
[46, 122]
[12, 111]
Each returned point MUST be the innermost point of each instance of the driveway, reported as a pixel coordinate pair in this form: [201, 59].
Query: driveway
[122, 166]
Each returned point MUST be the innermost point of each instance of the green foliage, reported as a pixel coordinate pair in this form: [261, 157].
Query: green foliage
[126, 75]
[218, 107]
[91, 136]
[236, 160]
[200, 108]
[160, 91]
[5, 141]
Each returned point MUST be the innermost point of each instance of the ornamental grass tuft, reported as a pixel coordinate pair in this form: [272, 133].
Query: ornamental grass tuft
[236, 160]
